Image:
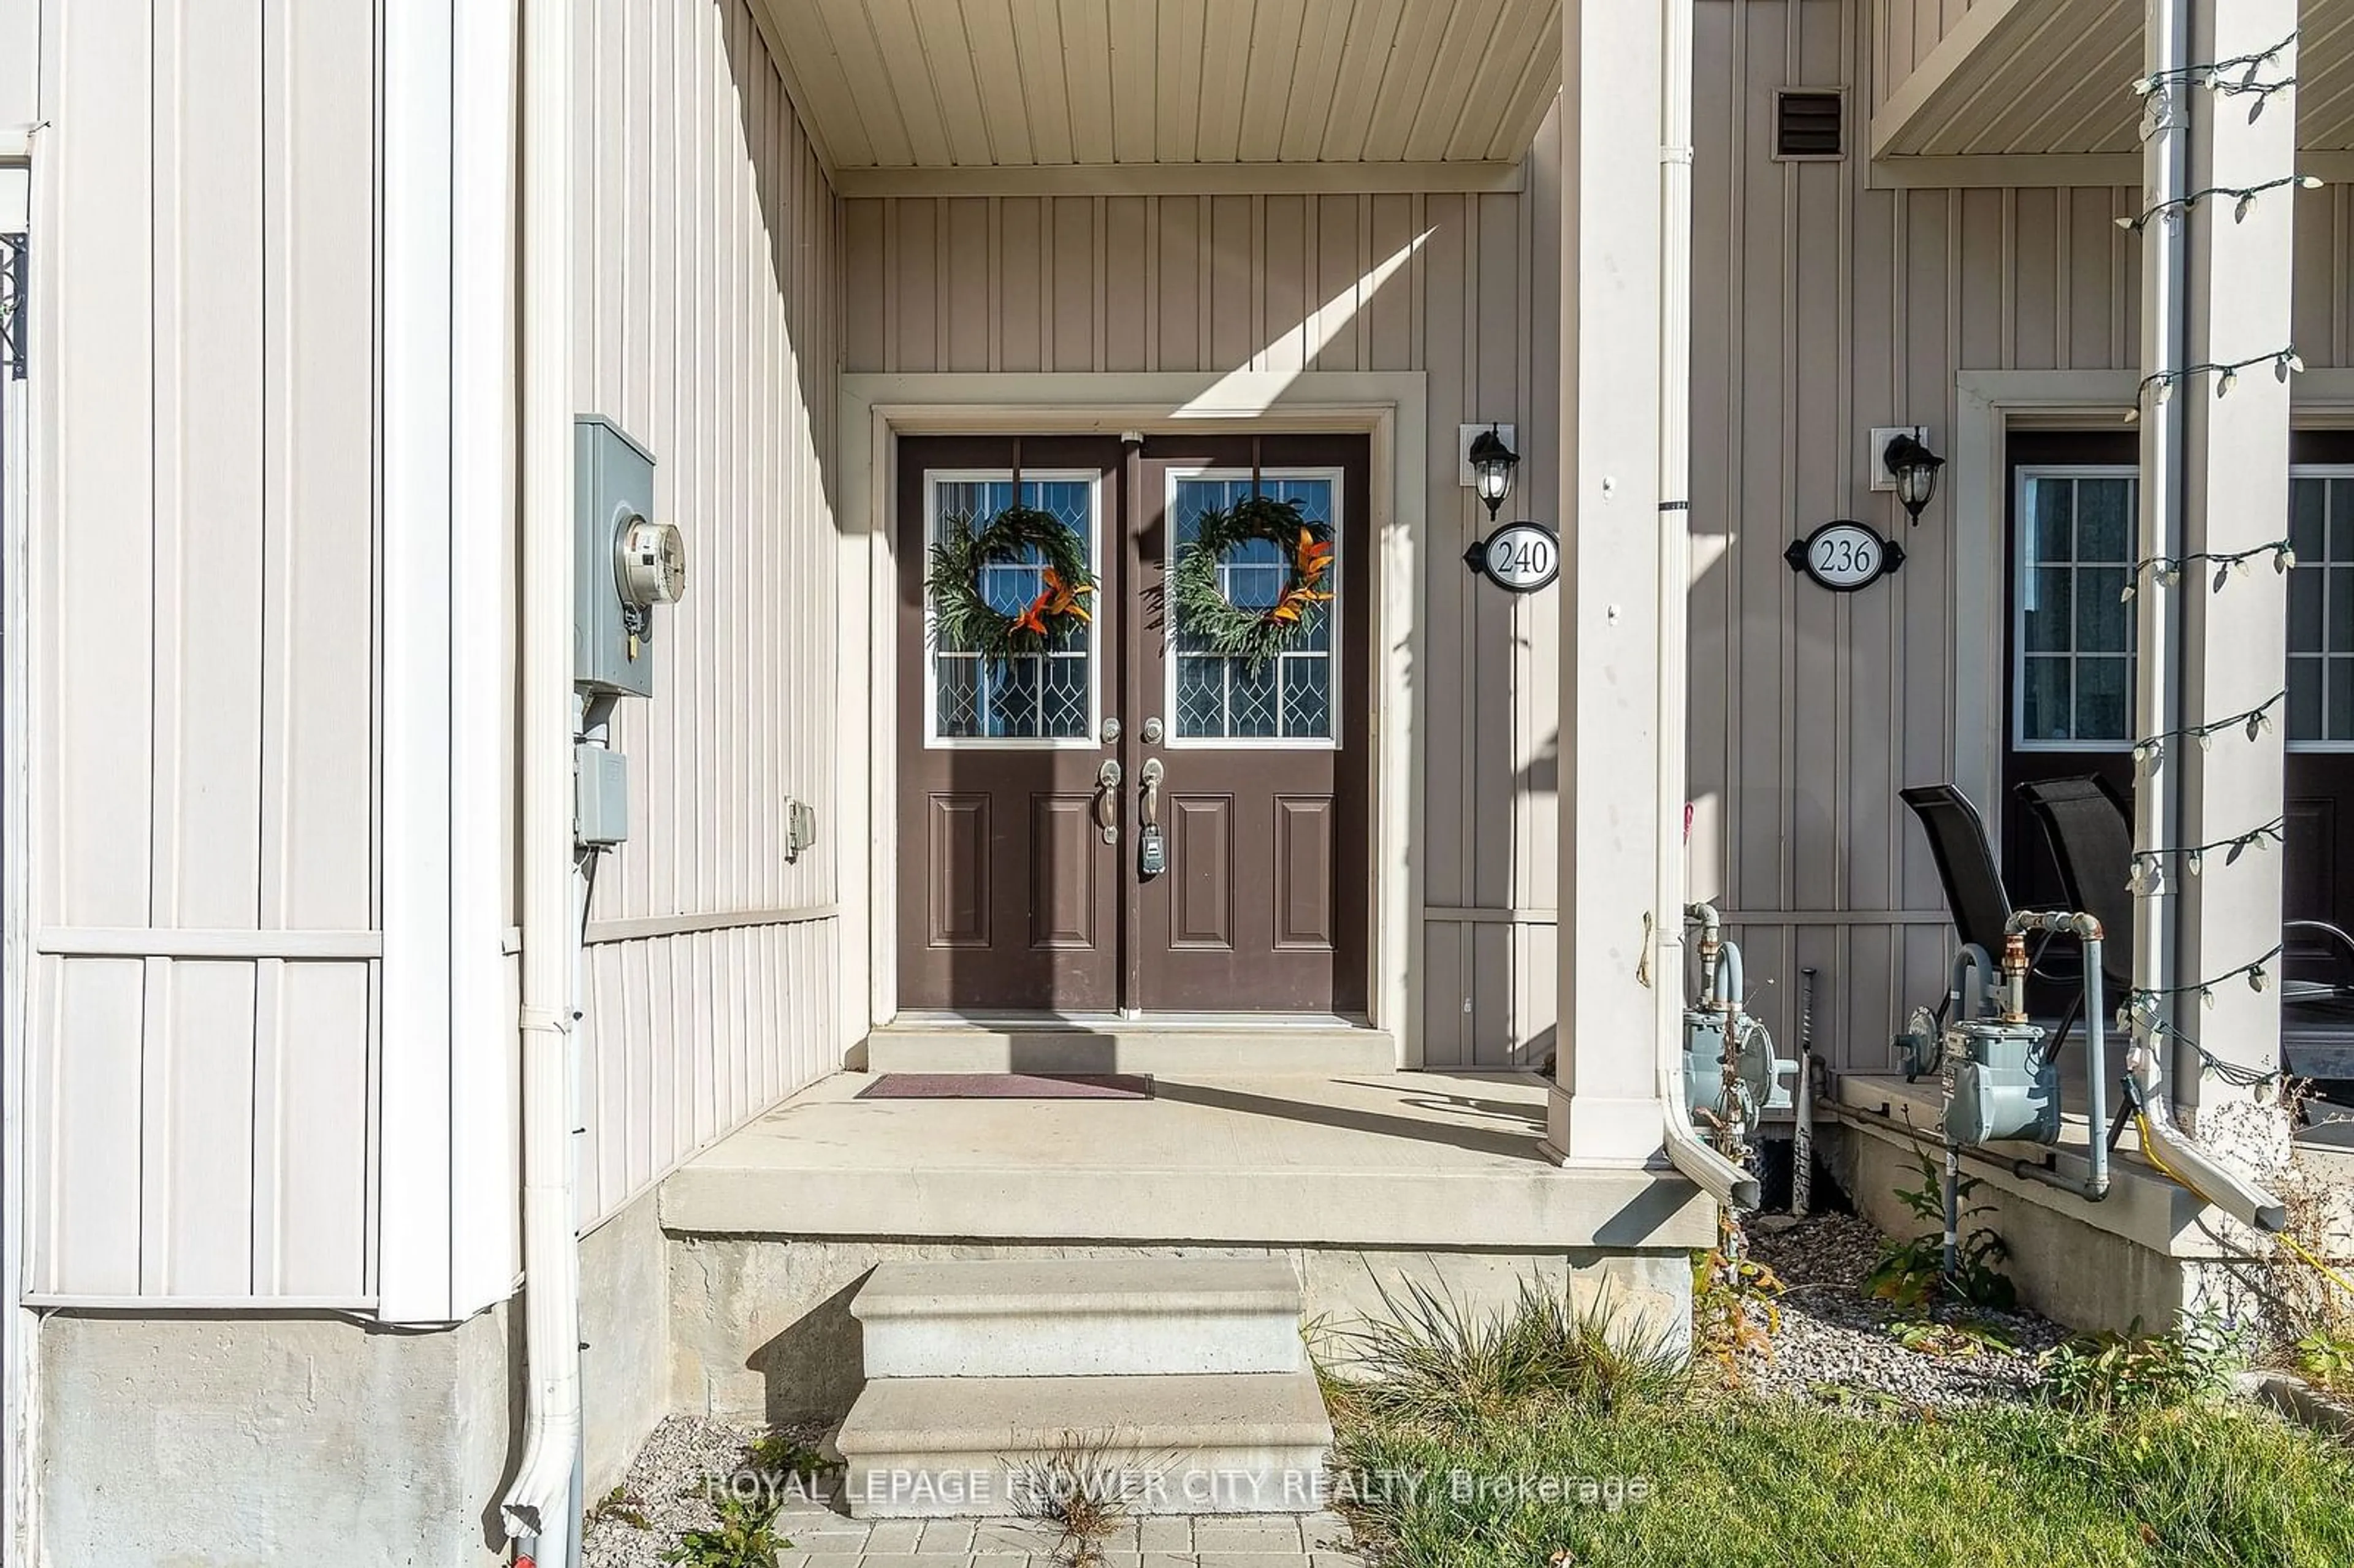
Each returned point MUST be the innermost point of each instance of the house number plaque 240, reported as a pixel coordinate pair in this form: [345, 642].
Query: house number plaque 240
[1518, 558]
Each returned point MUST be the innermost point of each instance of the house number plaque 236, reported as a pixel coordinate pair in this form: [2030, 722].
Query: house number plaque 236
[1844, 557]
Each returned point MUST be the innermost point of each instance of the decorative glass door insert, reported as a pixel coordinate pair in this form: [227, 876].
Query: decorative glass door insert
[1048, 696]
[1288, 700]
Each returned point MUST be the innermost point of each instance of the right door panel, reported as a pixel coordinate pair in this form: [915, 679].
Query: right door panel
[1264, 795]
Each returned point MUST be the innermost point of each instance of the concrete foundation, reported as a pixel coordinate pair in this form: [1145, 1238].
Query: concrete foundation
[762, 1327]
[253, 1442]
[2084, 1264]
[226, 1440]
[625, 1334]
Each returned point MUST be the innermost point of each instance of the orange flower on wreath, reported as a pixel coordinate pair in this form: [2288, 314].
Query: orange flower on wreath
[1056, 597]
[1309, 561]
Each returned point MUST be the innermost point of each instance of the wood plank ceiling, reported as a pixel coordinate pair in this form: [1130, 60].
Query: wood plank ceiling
[977, 84]
[2054, 75]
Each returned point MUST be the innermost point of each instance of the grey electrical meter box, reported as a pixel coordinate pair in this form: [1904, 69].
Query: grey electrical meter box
[613, 492]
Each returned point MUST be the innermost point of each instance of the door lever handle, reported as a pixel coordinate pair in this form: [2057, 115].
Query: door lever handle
[1108, 779]
[1151, 803]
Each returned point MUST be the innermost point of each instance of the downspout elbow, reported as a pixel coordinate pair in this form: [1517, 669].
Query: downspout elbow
[1686, 1151]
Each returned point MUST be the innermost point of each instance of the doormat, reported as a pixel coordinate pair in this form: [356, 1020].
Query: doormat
[1009, 1086]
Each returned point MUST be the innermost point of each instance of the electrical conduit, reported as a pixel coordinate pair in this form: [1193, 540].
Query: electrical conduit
[540, 1509]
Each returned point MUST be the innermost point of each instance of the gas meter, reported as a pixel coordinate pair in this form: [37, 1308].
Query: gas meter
[2005, 1085]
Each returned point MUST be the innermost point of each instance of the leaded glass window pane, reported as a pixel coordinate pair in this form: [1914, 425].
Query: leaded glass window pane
[1030, 696]
[1291, 697]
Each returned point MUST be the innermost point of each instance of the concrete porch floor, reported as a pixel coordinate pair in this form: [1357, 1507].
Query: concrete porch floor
[1372, 1159]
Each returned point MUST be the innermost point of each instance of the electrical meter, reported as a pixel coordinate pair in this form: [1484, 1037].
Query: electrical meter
[649, 563]
[624, 565]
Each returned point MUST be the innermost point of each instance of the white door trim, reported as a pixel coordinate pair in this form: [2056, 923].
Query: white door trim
[1389, 406]
[1987, 404]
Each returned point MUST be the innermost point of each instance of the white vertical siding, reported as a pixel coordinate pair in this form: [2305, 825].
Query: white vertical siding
[20, 62]
[202, 702]
[706, 325]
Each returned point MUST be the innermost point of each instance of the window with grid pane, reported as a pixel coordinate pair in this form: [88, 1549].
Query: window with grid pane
[2321, 610]
[2073, 630]
[1291, 696]
[1030, 696]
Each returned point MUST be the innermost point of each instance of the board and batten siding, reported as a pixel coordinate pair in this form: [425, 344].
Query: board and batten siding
[202, 723]
[272, 253]
[1822, 308]
[1287, 283]
[1904, 33]
[705, 300]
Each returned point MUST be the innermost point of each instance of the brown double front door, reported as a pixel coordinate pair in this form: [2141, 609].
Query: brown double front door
[1029, 785]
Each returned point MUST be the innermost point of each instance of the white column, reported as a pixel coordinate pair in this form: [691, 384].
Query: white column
[2235, 497]
[1604, 1109]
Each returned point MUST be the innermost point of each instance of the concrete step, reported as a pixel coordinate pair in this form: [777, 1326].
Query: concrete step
[971, 1447]
[1114, 1317]
[1230, 1044]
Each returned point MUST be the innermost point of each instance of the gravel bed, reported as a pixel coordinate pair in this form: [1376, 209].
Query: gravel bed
[664, 1493]
[1832, 1339]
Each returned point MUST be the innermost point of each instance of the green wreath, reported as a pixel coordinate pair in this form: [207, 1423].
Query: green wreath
[1227, 629]
[963, 619]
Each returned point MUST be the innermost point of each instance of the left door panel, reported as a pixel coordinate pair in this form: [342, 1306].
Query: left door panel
[1009, 895]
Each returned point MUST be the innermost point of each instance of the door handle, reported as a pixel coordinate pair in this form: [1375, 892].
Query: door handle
[1152, 790]
[1108, 779]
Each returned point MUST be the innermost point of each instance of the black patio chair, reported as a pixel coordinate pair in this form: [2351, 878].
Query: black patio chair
[1975, 894]
[2090, 827]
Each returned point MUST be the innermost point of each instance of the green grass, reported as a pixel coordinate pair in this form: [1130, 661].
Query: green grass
[1741, 1483]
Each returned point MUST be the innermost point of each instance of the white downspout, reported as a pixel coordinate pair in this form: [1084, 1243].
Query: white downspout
[2158, 803]
[1716, 1175]
[540, 1509]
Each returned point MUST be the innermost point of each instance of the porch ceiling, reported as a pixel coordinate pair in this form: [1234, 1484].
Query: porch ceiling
[982, 84]
[2051, 75]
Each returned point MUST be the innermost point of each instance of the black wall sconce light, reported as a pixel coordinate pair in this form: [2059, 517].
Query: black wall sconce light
[1492, 461]
[1912, 467]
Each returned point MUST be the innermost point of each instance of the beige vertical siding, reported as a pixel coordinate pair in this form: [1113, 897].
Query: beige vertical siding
[705, 299]
[1823, 308]
[1905, 32]
[1126, 283]
[202, 701]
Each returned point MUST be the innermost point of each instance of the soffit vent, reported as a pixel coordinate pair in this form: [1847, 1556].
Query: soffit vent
[1809, 124]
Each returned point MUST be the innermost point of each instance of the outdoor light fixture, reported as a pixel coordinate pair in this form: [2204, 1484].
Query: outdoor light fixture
[1493, 461]
[1914, 469]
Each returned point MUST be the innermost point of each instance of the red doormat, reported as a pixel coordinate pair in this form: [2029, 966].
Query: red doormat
[1009, 1086]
